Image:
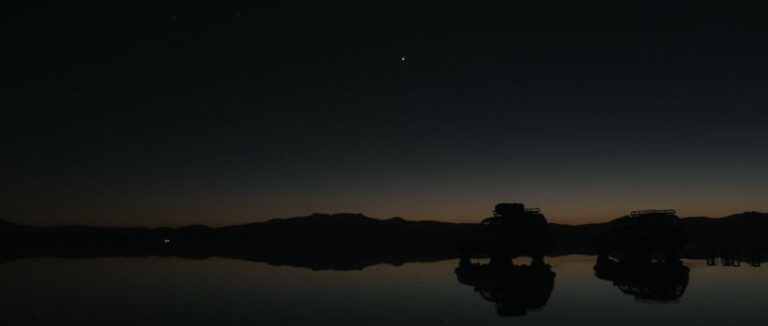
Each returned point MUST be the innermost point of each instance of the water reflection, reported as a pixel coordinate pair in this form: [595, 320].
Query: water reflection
[514, 289]
[513, 231]
[639, 254]
[218, 291]
[731, 256]
[646, 281]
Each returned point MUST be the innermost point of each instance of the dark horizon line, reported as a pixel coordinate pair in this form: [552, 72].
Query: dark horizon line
[5, 221]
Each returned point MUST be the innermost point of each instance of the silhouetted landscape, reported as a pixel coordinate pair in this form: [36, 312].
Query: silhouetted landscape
[160, 159]
[350, 241]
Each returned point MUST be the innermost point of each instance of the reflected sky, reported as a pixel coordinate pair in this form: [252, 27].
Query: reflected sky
[174, 291]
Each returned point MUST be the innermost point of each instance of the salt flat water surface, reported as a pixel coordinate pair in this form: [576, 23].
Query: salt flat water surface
[219, 291]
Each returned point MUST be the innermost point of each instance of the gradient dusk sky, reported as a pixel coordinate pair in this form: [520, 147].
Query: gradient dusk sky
[168, 113]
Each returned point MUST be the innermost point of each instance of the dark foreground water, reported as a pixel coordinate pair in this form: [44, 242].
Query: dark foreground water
[175, 291]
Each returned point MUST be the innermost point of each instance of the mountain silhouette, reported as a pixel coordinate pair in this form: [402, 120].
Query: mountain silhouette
[318, 241]
[347, 241]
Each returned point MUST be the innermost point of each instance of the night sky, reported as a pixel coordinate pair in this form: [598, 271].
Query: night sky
[168, 113]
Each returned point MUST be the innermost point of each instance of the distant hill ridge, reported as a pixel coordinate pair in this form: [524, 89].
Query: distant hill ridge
[339, 241]
[344, 217]
[742, 222]
[321, 218]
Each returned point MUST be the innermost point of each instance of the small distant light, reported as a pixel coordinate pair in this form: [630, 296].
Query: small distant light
[402, 58]
[167, 241]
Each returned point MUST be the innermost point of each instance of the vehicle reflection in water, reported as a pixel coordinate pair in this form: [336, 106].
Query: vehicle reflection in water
[646, 281]
[513, 231]
[514, 289]
[640, 255]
